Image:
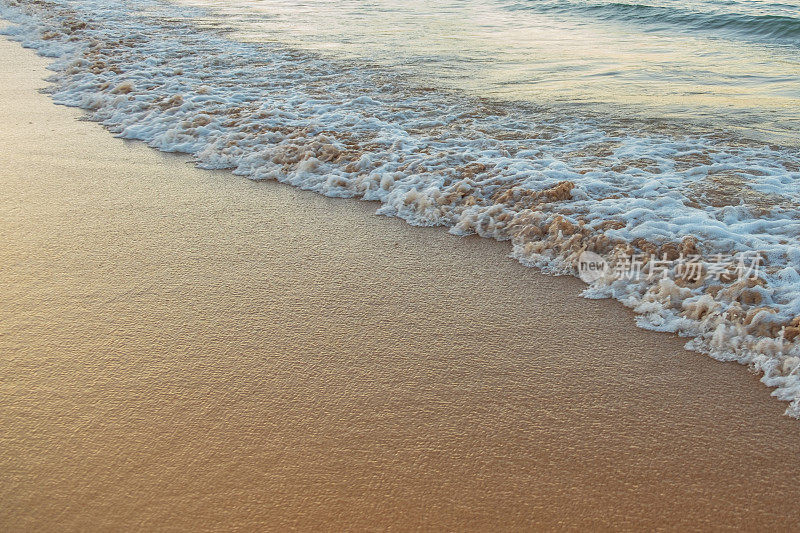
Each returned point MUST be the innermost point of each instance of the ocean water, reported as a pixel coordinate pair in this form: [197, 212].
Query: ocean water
[723, 64]
[659, 139]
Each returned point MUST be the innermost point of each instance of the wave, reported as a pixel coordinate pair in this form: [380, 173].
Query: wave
[557, 187]
[772, 27]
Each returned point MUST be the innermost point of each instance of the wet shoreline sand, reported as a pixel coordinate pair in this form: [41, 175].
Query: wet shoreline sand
[184, 349]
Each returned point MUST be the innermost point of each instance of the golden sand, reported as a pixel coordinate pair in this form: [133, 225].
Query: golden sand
[189, 350]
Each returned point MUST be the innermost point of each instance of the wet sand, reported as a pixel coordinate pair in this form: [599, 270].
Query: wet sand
[188, 350]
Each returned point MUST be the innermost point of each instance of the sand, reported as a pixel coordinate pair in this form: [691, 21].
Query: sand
[188, 350]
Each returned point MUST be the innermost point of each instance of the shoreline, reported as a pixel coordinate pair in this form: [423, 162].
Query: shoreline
[663, 201]
[188, 348]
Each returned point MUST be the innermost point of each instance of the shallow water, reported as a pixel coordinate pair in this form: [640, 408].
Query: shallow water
[723, 64]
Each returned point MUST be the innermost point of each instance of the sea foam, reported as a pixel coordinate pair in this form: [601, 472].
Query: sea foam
[554, 186]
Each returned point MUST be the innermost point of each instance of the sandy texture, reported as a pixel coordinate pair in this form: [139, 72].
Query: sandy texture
[182, 349]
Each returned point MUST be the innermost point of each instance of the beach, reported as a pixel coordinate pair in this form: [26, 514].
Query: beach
[185, 349]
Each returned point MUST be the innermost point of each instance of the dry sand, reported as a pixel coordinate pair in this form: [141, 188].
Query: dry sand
[183, 349]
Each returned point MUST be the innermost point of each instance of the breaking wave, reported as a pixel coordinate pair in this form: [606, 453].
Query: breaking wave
[781, 25]
[554, 186]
